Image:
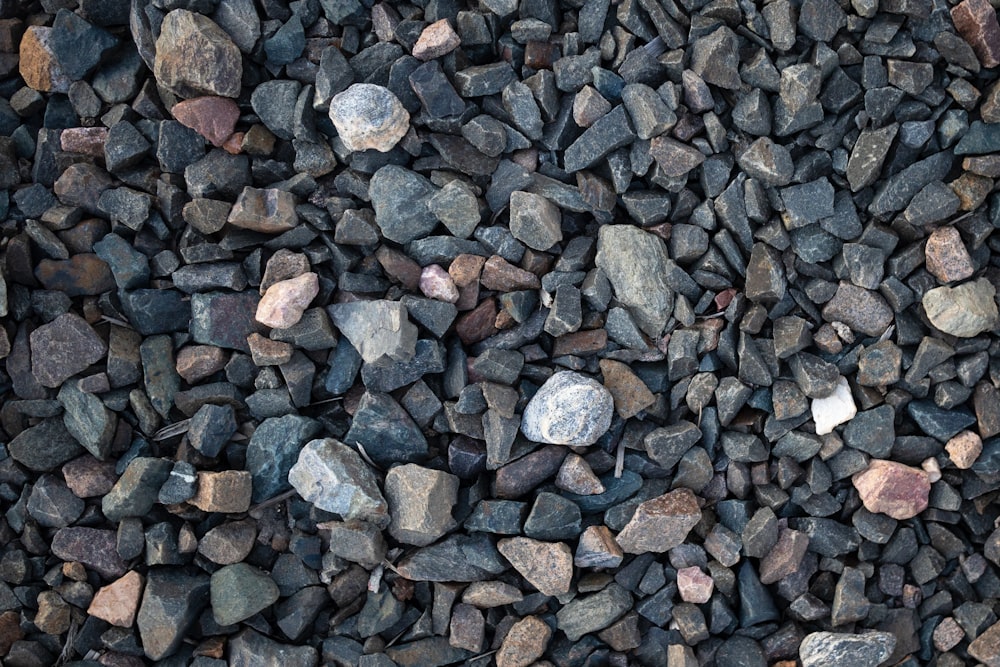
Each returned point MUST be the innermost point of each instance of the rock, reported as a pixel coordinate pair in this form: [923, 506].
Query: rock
[455, 558]
[594, 612]
[785, 557]
[765, 281]
[227, 492]
[768, 162]
[965, 311]
[332, 476]
[524, 643]
[892, 488]
[211, 427]
[386, 432]
[401, 199]
[249, 646]
[946, 256]
[534, 220]
[212, 117]
[868, 649]
[285, 301]
[118, 602]
[576, 476]
[228, 543]
[38, 65]
[986, 647]
[976, 22]
[631, 395]
[964, 448]
[552, 416]
[62, 348]
[356, 541]
[420, 502]
[715, 59]
[87, 419]
[676, 160]
[635, 263]
[52, 504]
[239, 591]
[171, 604]
[597, 548]
[833, 410]
[862, 310]
[548, 566]
[368, 116]
[268, 211]
[660, 524]
[93, 547]
[136, 491]
[694, 585]
[376, 329]
[436, 283]
[436, 40]
[467, 628]
[218, 69]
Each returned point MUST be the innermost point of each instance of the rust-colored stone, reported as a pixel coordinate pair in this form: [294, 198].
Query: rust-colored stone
[86, 140]
[946, 256]
[38, 65]
[500, 275]
[478, 324]
[976, 22]
[118, 602]
[227, 492]
[212, 117]
[197, 362]
[894, 489]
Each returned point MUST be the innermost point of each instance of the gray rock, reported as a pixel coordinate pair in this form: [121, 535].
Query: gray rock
[273, 449]
[218, 72]
[593, 613]
[965, 311]
[607, 134]
[239, 591]
[332, 476]
[860, 309]
[635, 262]
[715, 59]
[868, 649]
[62, 348]
[765, 275]
[211, 427]
[768, 162]
[868, 154]
[88, 420]
[401, 201]
[356, 541]
[649, 113]
[376, 329]
[251, 648]
[52, 504]
[934, 203]
[675, 159]
[385, 431]
[455, 558]
[807, 203]
[420, 502]
[274, 103]
[44, 446]
[136, 491]
[171, 603]
[899, 189]
[553, 415]
[180, 486]
[535, 221]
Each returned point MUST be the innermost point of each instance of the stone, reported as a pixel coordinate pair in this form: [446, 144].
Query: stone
[436, 283]
[228, 543]
[212, 117]
[334, 478]
[660, 524]
[715, 59]
[62, 348]
[376, 329]
[966, 310]
[552, 416]
[38, 65]
[524, 643]
[548, 566]
[420, 501]
[436, 40]
[369, 117]
[694, 585]
[227, 492]
[87, 419]
[675, 159]
[964, 448]
[765, 278]
[284, 302]
[785, 557]
[867, 649]
[576, 476]
[239, 591]
[986, 647]
[630, 394]
[357, 541]
[211, 427]
[467, 628]
[136, 491]
[891, 488]
[768, 162]
[268, 210]
[93, 547]
[862, 310]
[118, 602]
[636, 263]
[947, 258]
[593, 613]
[401, 199]
[976, 22]
[52, 504]
[534, 220]
[171, 603]
[597, 548]
[218, 70]
[833, 410]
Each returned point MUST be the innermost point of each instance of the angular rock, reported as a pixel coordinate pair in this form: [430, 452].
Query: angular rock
[868, 649]
[891, 488]
[548, 566]
[376, 329]
[635, 263]
[62, 348]
[269, 211]
[660, 524]
[965, 311]
[368, 116]
[284, 302]
[218, 69]
[171, 604]
[239, 591]
[420, 502]
[332, 476]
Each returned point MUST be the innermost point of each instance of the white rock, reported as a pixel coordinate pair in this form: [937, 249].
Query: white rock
[368, 116]
[836, 409]
[376, 329]
[569, 409]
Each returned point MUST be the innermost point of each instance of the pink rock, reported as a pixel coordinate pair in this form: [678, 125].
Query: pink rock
[436, 40]
[284, 302]
[964, 449]
[212, 117]
[694, 585]
[118, 602]
[436, 283]
[894, 489]
[976, 21]
[86, 140]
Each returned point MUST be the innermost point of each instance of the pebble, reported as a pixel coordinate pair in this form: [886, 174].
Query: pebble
[621, 251]
[62, 348]
[964, 448]
[369, 117]
[548, 566]
[524, 643]
[217, 71]
[239, 591]
[868, 649]
[268, 210]
[966, 310]
[891, 488]
[552, 416]
[284, 302]
[661, 523]
[436, 40]
[332, 476]
[376, 329]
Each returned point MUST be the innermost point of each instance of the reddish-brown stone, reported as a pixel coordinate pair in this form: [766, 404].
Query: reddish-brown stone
[118, 602]
[86, 140]
[38, 65]
[10, 630]
[891, 488]
[499, 274]
[197, 362]
[478, 324]
[80, 275]
[212, 117]
[87, 477]
[976, 22]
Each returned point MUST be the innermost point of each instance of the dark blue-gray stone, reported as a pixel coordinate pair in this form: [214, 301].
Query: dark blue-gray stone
[273, 449]
[386, 431]
[938, 422]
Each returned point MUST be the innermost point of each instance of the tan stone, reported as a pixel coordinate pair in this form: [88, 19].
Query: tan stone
[986, 647]
[227, 492]
[525, 643]
[589, 106]
[197, 362]
[368, 116]
[53, 616]
[267, 352]
[267, 210]
[972, 190]
[976, 22]
[548, 566]
[38, 65]
[285, 301]
[576, 476]
[598, 548]
[465, 269]
[487, 594]
[694, 585]
[436, 40]
[195, 57]
[631, 395]
[660, 524]
[436, 283]
[10, 631]
[964, 449]
[118, 602]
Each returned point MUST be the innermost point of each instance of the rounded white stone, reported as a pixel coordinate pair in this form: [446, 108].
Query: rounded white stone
[369, 117]
[569, 409]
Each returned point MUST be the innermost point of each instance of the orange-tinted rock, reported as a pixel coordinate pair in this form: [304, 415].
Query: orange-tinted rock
[118, 602]
[630, 393]
[436, 40]
[38, 65]
[285, 301]
[10, 630]
[227, 492]
[660, 524]
[964, 449]
[81, 275]
[946, 255]
[894, 489]
[197, 362]
[525, 643]
[499, 274]
[976, 22]
[212, 117]
[86, 140]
